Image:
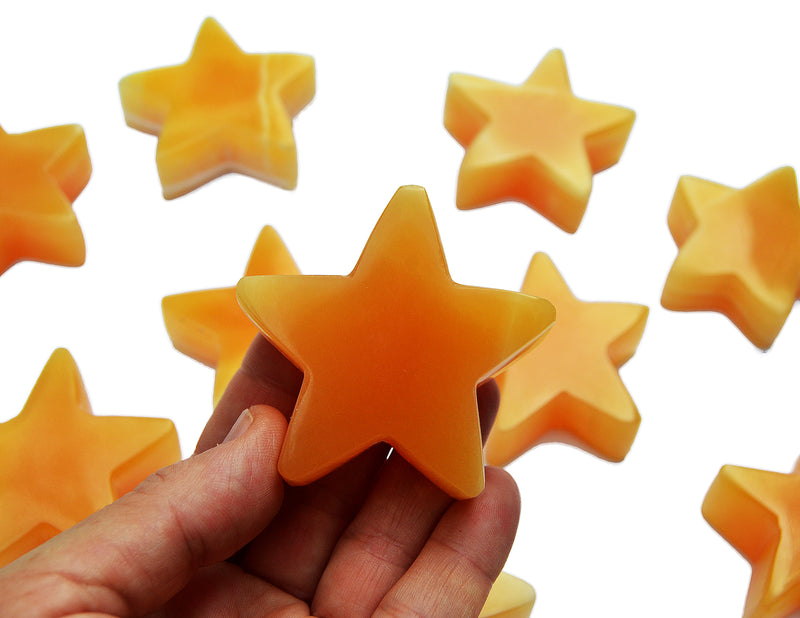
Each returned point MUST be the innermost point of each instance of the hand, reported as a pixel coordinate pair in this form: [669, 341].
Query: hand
[220, 534]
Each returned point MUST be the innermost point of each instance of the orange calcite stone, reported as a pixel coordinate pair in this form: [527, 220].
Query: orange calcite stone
[59, 463]
[758, 513]
[739, 252]
[209, 325]
[41, 174]
[392, 352]
[510, 597]
[535, 143]
[568, 389]
[222, 111]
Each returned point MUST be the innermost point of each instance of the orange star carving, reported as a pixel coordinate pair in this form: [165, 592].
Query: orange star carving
[392, 352]
[739, 252]
[210, 327]
[510, 597]
[535, 143]
[222, 111]
[758, 512]
[568, 389]
[41, 174]
[59, 463]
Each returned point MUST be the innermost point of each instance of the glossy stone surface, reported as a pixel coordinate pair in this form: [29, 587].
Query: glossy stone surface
[59, 463]
[41, 174]
[221, 111]
[392, 352]
[535, 143]
[568, 388]
[739, 252]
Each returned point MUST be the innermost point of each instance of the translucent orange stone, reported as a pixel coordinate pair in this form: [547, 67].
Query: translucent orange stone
[222, 111]
[59, 463]
[739, 252]
[568, 388]
[41, 174]
[510, 597]
[535, 143]
[210, 326]
[758, 513]
[392, 352]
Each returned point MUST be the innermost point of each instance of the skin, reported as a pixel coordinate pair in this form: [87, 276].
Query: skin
[221, 534]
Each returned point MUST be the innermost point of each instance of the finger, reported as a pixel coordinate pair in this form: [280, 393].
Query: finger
[389, 531]
[265, 377]
[455, 570]
[139, 551]
[293, 551]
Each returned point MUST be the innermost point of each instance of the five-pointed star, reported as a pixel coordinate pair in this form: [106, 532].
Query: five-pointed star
[59, 463]
[535, 143]
[222, 111]
[739, 252]
[392, 352]
[568, 388]
[510, 597]
[41, 174]
[209, 325]
[758, 512]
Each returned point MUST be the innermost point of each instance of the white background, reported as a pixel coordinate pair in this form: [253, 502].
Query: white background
[715, 89]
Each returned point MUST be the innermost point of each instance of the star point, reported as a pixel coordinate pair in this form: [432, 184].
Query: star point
[41, 173]
[568, 388]
[392, 352]
[221, 111]
[59, 463]
[738, 252]
[535, 143]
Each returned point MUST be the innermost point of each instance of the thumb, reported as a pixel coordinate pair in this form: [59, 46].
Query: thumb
[138, 552]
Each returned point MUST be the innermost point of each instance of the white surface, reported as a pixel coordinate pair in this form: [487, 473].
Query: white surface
[715, 90]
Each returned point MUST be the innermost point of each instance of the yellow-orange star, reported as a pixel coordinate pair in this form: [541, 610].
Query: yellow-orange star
[222, 111]
[392, 352]
[510, 597]
[739, 252]
[210, 327]
[758, 512]
[41, 174]
[568, 389]
[59, 463]
[535, 143]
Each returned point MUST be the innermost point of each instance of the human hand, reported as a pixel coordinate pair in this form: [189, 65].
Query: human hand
[220, 533]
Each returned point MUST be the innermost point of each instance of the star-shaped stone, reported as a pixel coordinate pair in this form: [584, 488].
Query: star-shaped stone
[41, 174]
[392, 352]
[510, 597]
[739, 252]
[210, 326]
[758, 513]
[535, 143]
[568, 388]
[59, 463]
[222, 111]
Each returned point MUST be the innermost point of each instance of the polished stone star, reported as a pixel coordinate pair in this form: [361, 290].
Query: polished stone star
[209, 325]
[568, 388]
[393, 352]
[758, 512]
[739, 252]
[41, 174]
[59, 463]
[222, 111]
[535, 143]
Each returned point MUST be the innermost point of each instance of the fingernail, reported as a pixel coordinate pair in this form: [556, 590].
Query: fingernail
[240, 426]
